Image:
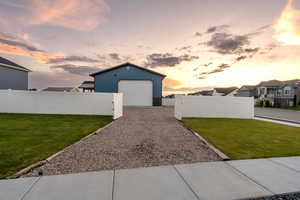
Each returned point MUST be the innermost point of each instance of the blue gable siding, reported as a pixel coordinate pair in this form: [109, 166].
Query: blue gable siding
[108, 81]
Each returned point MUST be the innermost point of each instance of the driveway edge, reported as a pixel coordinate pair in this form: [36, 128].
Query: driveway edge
[212, 147]
[42, 162]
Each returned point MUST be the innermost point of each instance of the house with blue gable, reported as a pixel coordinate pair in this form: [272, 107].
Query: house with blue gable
[140, 86]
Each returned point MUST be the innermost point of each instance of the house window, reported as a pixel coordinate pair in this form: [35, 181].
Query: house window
[286, 92]
[279, 92]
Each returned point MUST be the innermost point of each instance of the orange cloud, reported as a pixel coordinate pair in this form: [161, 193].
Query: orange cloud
[171, 83]
[75, 14]
[8, 49]
[287, 27]
[40, 56]
[22, 45]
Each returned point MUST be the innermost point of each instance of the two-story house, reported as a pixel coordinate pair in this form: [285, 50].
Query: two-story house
[247, 91]
[279, 93]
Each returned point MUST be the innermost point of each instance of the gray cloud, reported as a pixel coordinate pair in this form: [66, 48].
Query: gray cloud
[185, 48]
[204, 65]
[247, 53]
[219, 68]
[202, 77]
[225, 43]
[251, 50]
[213, 29]
[115, 56]
[198, 34]
[20, 44]
[240, 58]
[76, 69]
[71, 59]
[8, 39]
[167, 59]
[7, 36]
[219, 28]
[112, 58]
[207, 64]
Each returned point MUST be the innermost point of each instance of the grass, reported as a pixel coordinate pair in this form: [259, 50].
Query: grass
[28, 138]
[247, 138]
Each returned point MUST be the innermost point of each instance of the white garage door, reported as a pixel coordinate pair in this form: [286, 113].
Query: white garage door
[136, 93]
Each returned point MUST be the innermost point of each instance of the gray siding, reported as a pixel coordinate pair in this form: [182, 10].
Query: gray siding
[243, 94]
[13, 79]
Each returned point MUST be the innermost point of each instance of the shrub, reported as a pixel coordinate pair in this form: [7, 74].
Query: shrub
[267, 103]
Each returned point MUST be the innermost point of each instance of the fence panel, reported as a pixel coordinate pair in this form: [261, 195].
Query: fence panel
[214, 107]
[12, 101]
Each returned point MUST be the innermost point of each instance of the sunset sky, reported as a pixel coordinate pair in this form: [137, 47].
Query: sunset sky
[196, 43]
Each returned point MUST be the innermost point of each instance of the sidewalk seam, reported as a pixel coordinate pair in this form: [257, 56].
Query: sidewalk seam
[251, 179]
[30, 188]
[113, 185]
[283, 165]
[185, 181]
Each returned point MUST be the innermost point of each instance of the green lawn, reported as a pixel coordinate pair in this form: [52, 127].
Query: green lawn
[247, 138]
[27, 138]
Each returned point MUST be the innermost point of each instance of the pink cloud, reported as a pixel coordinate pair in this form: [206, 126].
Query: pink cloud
[75, 14]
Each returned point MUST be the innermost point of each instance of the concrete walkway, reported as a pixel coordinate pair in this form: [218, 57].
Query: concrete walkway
[210, 180]
[280, 114]
[284, 122]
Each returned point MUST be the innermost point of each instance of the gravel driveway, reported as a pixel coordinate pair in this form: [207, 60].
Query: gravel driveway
[284, 114]
[143, 137]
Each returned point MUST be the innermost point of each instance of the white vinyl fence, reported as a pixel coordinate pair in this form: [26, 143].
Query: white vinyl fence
[13, 101]
[214, 107]
[118, 105]
[168, 101]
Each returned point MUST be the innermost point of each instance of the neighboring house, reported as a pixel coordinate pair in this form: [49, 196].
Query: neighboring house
[61, 89]
[170, 96]
[87, 85]
[140, 86]
[279, 93]
[247, 91]
[13, 76]
[203, 93]
[230, 91]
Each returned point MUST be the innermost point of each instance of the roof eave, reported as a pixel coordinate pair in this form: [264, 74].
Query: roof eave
[124, 64]
[16, 68]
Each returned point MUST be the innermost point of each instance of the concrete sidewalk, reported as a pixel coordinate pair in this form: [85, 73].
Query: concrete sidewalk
[210, 180]
[278, 114]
